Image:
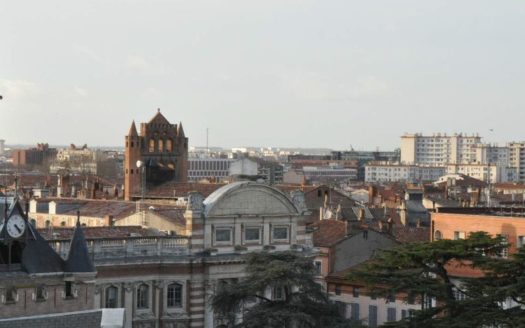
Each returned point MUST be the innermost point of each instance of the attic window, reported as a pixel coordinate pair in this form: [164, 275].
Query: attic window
[68, 289]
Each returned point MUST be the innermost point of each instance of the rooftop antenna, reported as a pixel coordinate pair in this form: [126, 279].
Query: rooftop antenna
[207, 141]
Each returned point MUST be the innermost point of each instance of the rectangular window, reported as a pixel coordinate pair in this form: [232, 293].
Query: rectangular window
[318, 268]
[278, 293]
[403, 314]
[280, 233]
[341, 308]
[252, 235]
[372, 316]
[459, 235]
[68, 289]
[521, 241]
[354, 311]
[175, 295]
[391, 314]
[223, 235]
[355, 291]
[338, 289]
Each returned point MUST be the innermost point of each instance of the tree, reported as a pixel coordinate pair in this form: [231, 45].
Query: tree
[423, 270]
[279, 291]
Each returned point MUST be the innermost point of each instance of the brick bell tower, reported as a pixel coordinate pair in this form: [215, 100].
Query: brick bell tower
[132, 155]
[162, 147]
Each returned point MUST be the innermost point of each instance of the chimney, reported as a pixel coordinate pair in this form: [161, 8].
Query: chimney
[109, 220]
[361, 214]
[390, 224]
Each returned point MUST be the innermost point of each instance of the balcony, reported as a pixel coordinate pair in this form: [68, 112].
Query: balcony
[130, 249]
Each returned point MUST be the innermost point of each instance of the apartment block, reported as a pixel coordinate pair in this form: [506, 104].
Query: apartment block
[485, 172]
[390, 172]
[517, 158]
[438, 149]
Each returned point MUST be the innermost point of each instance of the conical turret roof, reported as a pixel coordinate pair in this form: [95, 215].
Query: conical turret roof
[78, 259]
[133, 129]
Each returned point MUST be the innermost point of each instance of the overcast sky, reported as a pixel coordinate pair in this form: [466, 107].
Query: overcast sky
[327, 73]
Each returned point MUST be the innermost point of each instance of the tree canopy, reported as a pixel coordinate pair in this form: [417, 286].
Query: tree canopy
[491, 296]
[279, 291]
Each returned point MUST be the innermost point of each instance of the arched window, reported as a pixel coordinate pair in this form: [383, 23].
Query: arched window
[160, 143]
[151, 145]
[174, 295]
[142, 296]
[169, 145]
[63, 223]
[48, 224]
[111, 297]
[437, 235]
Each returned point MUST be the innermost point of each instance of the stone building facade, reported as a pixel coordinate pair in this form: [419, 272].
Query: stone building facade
[34, 279]
[167, 282]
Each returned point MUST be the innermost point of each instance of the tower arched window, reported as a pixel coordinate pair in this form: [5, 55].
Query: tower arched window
[111, 297]
[169, 145]
[151, 145]
[438, 235]
[142, 296]
[160, 143]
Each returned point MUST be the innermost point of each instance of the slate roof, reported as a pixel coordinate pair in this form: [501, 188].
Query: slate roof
[78, 259]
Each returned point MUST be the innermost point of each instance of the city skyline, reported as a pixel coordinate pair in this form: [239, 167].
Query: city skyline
[280, 73]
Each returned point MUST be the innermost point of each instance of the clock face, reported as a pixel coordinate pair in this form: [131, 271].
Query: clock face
[16, 226]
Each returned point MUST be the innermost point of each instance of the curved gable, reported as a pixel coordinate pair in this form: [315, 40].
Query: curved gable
[248, 198]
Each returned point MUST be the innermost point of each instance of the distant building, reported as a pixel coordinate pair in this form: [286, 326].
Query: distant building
[329, 174]
[209, 168]
[485, 172]
[393, 172]
[517, 158]
[458, 223]
[162, 147]
[39, 155]
[438, 149]
[2, 146]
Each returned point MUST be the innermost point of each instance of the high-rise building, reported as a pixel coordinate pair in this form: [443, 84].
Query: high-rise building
[162, 149]
[517, 158]
[438, 149]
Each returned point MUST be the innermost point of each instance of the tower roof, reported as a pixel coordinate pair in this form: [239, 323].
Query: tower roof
[159, 118]
[39, 257]
[180, 130]
[133, 129]
[78, 257]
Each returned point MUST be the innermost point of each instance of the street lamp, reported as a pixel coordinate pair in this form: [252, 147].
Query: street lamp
[141, 165]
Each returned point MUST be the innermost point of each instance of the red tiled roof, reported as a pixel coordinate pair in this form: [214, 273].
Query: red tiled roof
[328, 232]
[181, 189]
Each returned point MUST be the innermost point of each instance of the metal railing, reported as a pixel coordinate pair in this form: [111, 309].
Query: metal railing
[129, 249]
